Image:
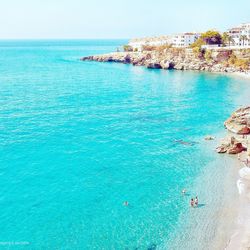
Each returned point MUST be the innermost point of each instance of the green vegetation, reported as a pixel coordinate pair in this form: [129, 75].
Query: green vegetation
[208, 55]
[226, 39]
[198, 43]
[239, 63]
[211, 37]
[198, 52]
[243, 38]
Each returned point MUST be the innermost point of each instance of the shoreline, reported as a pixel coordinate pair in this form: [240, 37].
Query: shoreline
[174, 60]
[209, 226]
[240, 239]
[236, 142]
[245, 75]
[234, 231]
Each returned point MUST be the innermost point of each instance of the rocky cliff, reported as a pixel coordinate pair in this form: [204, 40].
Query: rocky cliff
[238, 124]
[215, 60]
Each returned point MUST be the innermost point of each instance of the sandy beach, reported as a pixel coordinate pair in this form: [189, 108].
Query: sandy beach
[240, 238]
[242, 74]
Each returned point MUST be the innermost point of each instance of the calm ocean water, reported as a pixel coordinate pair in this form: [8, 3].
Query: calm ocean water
[77, 139]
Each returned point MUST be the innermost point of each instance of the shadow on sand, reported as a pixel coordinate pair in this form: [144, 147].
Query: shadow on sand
[201, 205]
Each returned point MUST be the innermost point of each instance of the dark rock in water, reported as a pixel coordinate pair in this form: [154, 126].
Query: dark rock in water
[127, 59]
[154, 65]
[190, 143]
[110, 59]
[87, 58]
[209, 138]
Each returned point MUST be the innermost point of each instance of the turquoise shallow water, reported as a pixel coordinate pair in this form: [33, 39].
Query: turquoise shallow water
[77, 139]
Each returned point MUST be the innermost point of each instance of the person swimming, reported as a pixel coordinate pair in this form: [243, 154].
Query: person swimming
[125, 203]
[184, 191]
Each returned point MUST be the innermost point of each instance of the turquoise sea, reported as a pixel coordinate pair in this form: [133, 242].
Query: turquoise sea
[77, 139]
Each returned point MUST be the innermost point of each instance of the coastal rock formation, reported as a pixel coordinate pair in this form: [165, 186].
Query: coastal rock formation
[175, 58]
[231, 146]
[239, 122]
[221, 149]
[154, 65]
[221, 55]
[236, 148]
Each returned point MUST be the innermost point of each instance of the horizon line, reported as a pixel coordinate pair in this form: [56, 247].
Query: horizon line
[61, 38]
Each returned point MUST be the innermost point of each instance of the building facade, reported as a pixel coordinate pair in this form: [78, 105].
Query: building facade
[240, 35]
[184, 40]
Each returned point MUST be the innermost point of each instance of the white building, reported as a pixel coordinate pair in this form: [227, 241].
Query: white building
[184, 39]
[240, 35]
[138, 43]
[179, 40]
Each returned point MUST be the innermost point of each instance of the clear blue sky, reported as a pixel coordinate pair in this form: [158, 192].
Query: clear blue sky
[116, 18]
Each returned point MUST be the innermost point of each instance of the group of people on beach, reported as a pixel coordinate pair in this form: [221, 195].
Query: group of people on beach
[194, 202]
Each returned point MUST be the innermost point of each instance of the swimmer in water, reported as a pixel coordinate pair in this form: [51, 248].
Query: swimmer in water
[125, 203]
[184, 191]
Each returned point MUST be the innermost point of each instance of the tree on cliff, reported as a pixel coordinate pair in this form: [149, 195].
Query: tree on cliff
[198, 43]
[211, 37]
[243, 38]
[227, 39]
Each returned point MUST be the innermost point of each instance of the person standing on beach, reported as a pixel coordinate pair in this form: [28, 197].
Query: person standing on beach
[196, 202]
[192, 202]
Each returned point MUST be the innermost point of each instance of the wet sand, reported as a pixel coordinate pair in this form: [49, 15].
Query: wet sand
[240, 238]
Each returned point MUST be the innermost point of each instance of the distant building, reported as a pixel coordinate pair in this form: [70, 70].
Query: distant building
[138, 43]
[240, 35]
[184, 40]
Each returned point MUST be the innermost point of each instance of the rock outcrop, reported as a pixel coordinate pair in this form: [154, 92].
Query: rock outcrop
[231, 146]
[239, 122]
